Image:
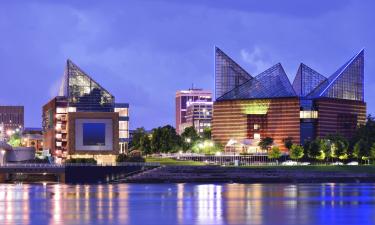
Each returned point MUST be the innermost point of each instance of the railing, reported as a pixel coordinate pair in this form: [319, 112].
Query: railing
[31, 165]
[228, 159]
[47, 165]
[114, 164]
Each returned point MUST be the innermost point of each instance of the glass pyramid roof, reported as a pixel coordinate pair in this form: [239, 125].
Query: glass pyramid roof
[228, 74]
[233, 82]
[272, 83]
[346, 83]
[306, 80]
[83, 92]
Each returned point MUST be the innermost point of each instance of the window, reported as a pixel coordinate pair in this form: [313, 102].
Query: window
[308, 114]
[256, 126]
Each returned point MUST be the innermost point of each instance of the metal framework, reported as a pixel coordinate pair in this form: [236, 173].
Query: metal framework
[272, 83]
[228, 74]
[306, 80]
[233, 82]
[83, 92]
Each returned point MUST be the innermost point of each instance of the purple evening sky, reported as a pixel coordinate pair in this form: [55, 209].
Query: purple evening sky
[143, 51]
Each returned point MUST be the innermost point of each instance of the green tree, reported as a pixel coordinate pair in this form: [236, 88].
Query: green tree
[325, 147]
[361, 150]
[372, 151]
[137, 135]
[145, 145]
[366, 133]
[296, 152]
[189, 137]
[339, 146]
[15, 140]
[274, 153]
[265, 143]
[288, 142]
[165, 139]
[314, 149]
[206, 133]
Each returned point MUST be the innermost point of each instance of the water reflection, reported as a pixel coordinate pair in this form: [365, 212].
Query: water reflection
[188, 204]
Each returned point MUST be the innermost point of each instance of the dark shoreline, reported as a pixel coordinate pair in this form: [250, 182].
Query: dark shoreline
[215, 174]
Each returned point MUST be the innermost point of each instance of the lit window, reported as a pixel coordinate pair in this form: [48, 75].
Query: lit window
[72, 109]
[256, 136]
[256, 126]
[308, 114]
[60, 110]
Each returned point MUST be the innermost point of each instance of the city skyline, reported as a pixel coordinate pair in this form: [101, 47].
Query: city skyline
[137, 61]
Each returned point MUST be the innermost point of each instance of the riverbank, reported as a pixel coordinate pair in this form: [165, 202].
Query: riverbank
[255, 174]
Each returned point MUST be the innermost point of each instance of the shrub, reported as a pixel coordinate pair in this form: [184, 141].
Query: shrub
[135, 157]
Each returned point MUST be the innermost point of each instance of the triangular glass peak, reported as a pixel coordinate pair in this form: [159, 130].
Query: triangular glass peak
[346, 83]
[228, 74]
[271, 83]
[306, 80]
[83, 92]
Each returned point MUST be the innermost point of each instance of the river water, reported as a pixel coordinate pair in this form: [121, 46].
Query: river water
[204, 204]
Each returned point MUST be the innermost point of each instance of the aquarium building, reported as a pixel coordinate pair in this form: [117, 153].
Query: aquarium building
[84, 121]
[248, 108]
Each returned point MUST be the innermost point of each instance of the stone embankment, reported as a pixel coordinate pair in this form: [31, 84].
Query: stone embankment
[209, 174]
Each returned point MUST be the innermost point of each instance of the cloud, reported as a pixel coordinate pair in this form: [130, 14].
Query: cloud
[256, 59]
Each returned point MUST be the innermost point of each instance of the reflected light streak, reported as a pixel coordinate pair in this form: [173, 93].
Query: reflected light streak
[180, 203]
[209, 204]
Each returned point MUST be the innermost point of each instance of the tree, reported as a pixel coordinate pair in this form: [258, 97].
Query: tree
[189, 137]
[339, 146]
[361, 150]
[275, 153]
[265, 143]
[366, 133]
[372, 151]
[296, 152]
[165, 139]
[313, 150]
[206, 133]
[145, 145]
[15, 140]
[288, 142]
[325, 147]
[137, 135]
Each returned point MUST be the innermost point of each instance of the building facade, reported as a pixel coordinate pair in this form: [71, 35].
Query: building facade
[32, 137]
[186, 98]
[84, 120]
[11, 119]
[249, 108]
[198, 115]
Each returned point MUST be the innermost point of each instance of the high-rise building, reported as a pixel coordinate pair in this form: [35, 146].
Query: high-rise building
[198, 115]
[184, 98]
[248, 108]
[11, 119]
[84, 120]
